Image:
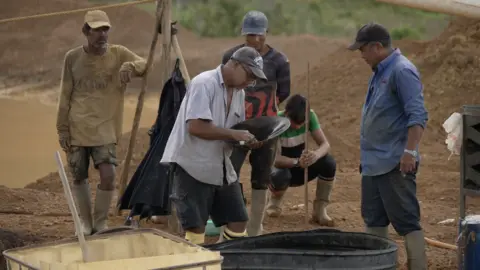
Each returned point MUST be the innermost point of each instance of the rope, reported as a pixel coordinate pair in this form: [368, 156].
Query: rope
[74, 11]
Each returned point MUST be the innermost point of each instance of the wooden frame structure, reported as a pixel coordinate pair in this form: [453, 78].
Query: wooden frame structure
[169, 41]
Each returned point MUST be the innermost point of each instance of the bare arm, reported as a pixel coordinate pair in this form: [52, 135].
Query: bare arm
[283, 161]
[66, 89]
[204, 129]
[322, 142]
[414, 136]
[133, 62]
[199, 115]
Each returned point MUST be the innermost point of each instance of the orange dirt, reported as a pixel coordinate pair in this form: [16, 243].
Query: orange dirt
[32, 51]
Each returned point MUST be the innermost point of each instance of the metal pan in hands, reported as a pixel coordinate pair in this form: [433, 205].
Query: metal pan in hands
[263, 128]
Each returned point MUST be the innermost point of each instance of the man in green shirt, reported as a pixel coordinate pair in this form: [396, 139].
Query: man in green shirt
[292, 158]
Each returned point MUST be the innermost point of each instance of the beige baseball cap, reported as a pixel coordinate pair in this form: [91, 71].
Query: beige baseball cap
[97, 18]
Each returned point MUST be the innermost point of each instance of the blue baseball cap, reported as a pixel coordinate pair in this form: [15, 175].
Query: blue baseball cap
[254, 23]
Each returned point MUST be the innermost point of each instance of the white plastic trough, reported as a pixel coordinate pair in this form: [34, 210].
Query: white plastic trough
[139, 249]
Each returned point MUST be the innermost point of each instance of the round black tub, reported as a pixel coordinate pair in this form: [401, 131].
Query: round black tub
[317, 249]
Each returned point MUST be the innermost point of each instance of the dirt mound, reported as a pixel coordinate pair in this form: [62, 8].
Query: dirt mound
[32, 51]
[37, 46]
[52, 183]
[24, 201]
[449, 66]
[9, 240]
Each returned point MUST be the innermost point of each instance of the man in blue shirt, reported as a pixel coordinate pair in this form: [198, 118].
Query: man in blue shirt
[393, 120]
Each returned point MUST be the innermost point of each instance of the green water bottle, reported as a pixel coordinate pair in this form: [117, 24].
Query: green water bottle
[211, 230]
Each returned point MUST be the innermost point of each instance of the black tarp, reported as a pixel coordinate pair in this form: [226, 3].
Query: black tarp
[147, 193]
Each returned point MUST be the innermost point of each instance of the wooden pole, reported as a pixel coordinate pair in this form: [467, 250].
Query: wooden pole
[178, 53]
[138, 111]
[166, 22]
[307, 125]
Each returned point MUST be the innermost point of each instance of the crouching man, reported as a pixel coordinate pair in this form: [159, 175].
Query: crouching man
[204, 180]
[292, 158]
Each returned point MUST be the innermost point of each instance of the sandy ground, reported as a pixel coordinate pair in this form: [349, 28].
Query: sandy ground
[449, 65]
[29, 138]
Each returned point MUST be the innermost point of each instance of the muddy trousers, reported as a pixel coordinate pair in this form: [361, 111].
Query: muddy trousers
[261, 161]
[391, 199]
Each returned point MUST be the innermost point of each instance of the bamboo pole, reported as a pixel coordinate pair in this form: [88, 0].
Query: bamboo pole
[307, 124]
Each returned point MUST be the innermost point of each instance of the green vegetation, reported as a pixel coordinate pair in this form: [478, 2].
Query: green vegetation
[335, 18]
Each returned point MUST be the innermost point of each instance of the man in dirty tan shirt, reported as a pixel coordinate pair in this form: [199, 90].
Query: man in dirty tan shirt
[90, 114]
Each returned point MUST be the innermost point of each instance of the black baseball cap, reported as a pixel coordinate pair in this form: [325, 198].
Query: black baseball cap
[371, 32]
[252, 59]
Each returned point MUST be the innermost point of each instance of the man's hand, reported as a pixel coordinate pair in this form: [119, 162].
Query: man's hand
[125, 75]
[254, 144]
[407, 163]
[243, 135]
[64, 141]
[308, 158]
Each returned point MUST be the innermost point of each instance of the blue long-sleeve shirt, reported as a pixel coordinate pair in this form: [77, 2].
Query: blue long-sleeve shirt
[394, 103]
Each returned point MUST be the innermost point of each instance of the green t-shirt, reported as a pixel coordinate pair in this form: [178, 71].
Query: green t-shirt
[293, 140]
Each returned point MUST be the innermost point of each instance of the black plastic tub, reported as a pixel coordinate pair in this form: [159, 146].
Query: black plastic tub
[317, 249]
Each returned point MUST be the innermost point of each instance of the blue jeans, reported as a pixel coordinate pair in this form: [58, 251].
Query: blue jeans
[391, 198]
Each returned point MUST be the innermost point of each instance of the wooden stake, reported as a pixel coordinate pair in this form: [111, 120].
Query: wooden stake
[178, 53]
[73, 208]
[307, 125]
[138, 111]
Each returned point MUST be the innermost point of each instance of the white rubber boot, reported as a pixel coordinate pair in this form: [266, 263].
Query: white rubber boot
[274, 206]
[415, 246]
[378, 231]
[322, 198]
[257, 211]
[100, 212]
[82, 196]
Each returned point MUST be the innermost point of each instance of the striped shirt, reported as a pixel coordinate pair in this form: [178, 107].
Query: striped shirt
[293, 140]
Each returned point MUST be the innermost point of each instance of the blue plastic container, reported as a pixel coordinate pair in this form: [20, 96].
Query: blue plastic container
[471, 229]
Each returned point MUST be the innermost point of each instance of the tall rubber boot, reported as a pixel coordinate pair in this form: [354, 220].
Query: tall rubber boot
[415, 246]
[322, 198]
[83, 199]
[274, 206]
[257, 211]
[378, 231]
[100, 212]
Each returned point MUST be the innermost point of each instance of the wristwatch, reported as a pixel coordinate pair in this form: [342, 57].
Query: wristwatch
[411, 152]
[296, 162]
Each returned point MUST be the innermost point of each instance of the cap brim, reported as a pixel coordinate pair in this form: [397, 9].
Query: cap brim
[258, 73]
[355, 46]
[95, 25]
[254, 31]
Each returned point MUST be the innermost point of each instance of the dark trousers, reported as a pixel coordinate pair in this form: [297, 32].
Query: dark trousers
[261, 160]
[391, 198]
[324, 168]
[195, 201]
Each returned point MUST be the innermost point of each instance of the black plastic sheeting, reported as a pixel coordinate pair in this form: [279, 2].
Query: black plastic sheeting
[316, 249]
[147, 193]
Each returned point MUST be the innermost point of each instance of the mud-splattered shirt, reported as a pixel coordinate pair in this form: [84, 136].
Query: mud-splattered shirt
[90, 105]
[263, 98]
